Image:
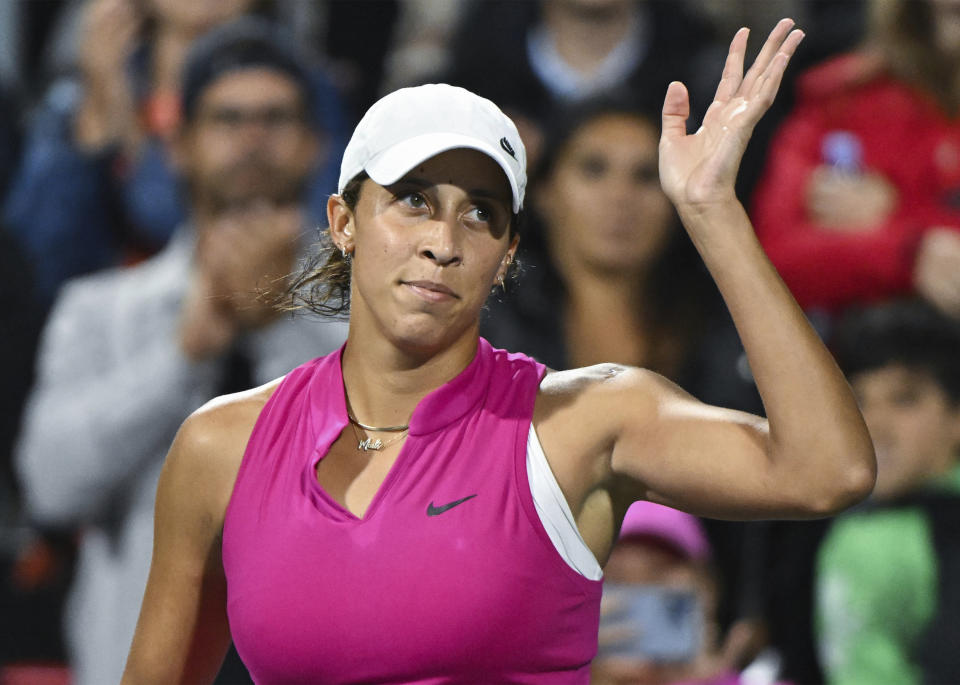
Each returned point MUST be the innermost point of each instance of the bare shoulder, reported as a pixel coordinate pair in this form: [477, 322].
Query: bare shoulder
[205, 457]
[598, 389]
[580, 414]
[229, 418]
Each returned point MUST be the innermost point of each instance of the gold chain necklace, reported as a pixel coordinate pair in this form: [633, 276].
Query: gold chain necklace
[368, 444]
[378, 429]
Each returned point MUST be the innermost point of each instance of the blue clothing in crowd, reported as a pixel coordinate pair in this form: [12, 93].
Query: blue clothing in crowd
[75, 211]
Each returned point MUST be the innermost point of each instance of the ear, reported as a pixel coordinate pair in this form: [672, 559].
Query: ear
[342, 223]
[512, 250]
[508, 258]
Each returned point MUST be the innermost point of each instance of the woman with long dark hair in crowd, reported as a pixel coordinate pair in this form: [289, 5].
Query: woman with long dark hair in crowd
[603, 249]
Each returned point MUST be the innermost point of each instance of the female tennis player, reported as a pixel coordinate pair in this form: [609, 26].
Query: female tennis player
[422, 508]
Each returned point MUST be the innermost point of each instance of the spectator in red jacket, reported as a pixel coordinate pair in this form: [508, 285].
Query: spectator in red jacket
[860, 200]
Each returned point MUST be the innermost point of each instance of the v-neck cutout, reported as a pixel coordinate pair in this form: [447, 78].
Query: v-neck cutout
[437, 410]
[342, 507]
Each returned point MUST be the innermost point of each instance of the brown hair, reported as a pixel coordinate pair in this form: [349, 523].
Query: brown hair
[901, 31]
[322, 283]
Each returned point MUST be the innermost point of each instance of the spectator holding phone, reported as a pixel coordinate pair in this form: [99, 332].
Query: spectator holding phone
[658, 614]
[860, 201]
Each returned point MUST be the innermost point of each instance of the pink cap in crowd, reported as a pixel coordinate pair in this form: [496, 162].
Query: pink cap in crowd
[679, 530]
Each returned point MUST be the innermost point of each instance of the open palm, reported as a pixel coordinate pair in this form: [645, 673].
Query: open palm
[701, 168]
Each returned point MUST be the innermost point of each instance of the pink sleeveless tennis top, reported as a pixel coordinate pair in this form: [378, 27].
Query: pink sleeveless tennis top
[448, 578]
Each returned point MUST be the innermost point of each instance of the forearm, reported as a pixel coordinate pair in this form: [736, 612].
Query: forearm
[57, 205]
[817, 438]
[105, 119]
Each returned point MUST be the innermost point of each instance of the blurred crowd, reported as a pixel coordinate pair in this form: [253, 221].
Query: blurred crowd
[165, 165]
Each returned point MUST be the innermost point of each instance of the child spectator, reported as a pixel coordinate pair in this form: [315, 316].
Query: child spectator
[888, 575]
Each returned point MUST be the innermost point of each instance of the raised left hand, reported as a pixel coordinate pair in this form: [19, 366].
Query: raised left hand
[700, 169]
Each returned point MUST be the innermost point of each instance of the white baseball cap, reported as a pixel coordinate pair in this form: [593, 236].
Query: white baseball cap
[411, 125]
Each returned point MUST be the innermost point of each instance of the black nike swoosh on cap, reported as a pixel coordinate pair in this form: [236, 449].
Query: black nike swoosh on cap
[436, 511]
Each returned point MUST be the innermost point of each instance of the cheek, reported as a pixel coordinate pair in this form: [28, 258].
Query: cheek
[565, 205]
[653, 203]
[488, 258]
[378, 254]
[654, 213]
[298, 153]
[921, 434]
[212, 154]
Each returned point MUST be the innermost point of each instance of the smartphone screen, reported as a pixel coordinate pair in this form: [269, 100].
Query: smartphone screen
[652, 622]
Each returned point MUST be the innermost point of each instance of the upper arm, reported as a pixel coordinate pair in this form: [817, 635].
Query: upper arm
[182, 633]
[72, 347]
[645, 438]
[690, 455]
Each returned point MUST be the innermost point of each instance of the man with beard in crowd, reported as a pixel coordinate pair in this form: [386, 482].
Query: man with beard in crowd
[128, 353]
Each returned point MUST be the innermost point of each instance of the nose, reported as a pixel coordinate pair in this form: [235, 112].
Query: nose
[254, 132]
[441, 244]
[621, 189]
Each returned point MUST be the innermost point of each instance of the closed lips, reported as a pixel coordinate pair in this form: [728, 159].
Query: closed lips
[439, 288]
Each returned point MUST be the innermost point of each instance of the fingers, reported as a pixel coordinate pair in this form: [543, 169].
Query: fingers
[733, 67]
[770, 49]
[768, 83]
[762, 81]
[676, 110]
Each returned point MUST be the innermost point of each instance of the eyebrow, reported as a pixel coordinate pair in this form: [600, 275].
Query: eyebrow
[472, 192]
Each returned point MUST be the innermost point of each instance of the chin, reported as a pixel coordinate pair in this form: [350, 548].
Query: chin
[422, 338]
[890, 489]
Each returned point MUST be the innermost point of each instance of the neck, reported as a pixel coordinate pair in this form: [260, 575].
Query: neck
[595, 299]
[384, 380]
[612, 306]
[584, 38]
[586, 283]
